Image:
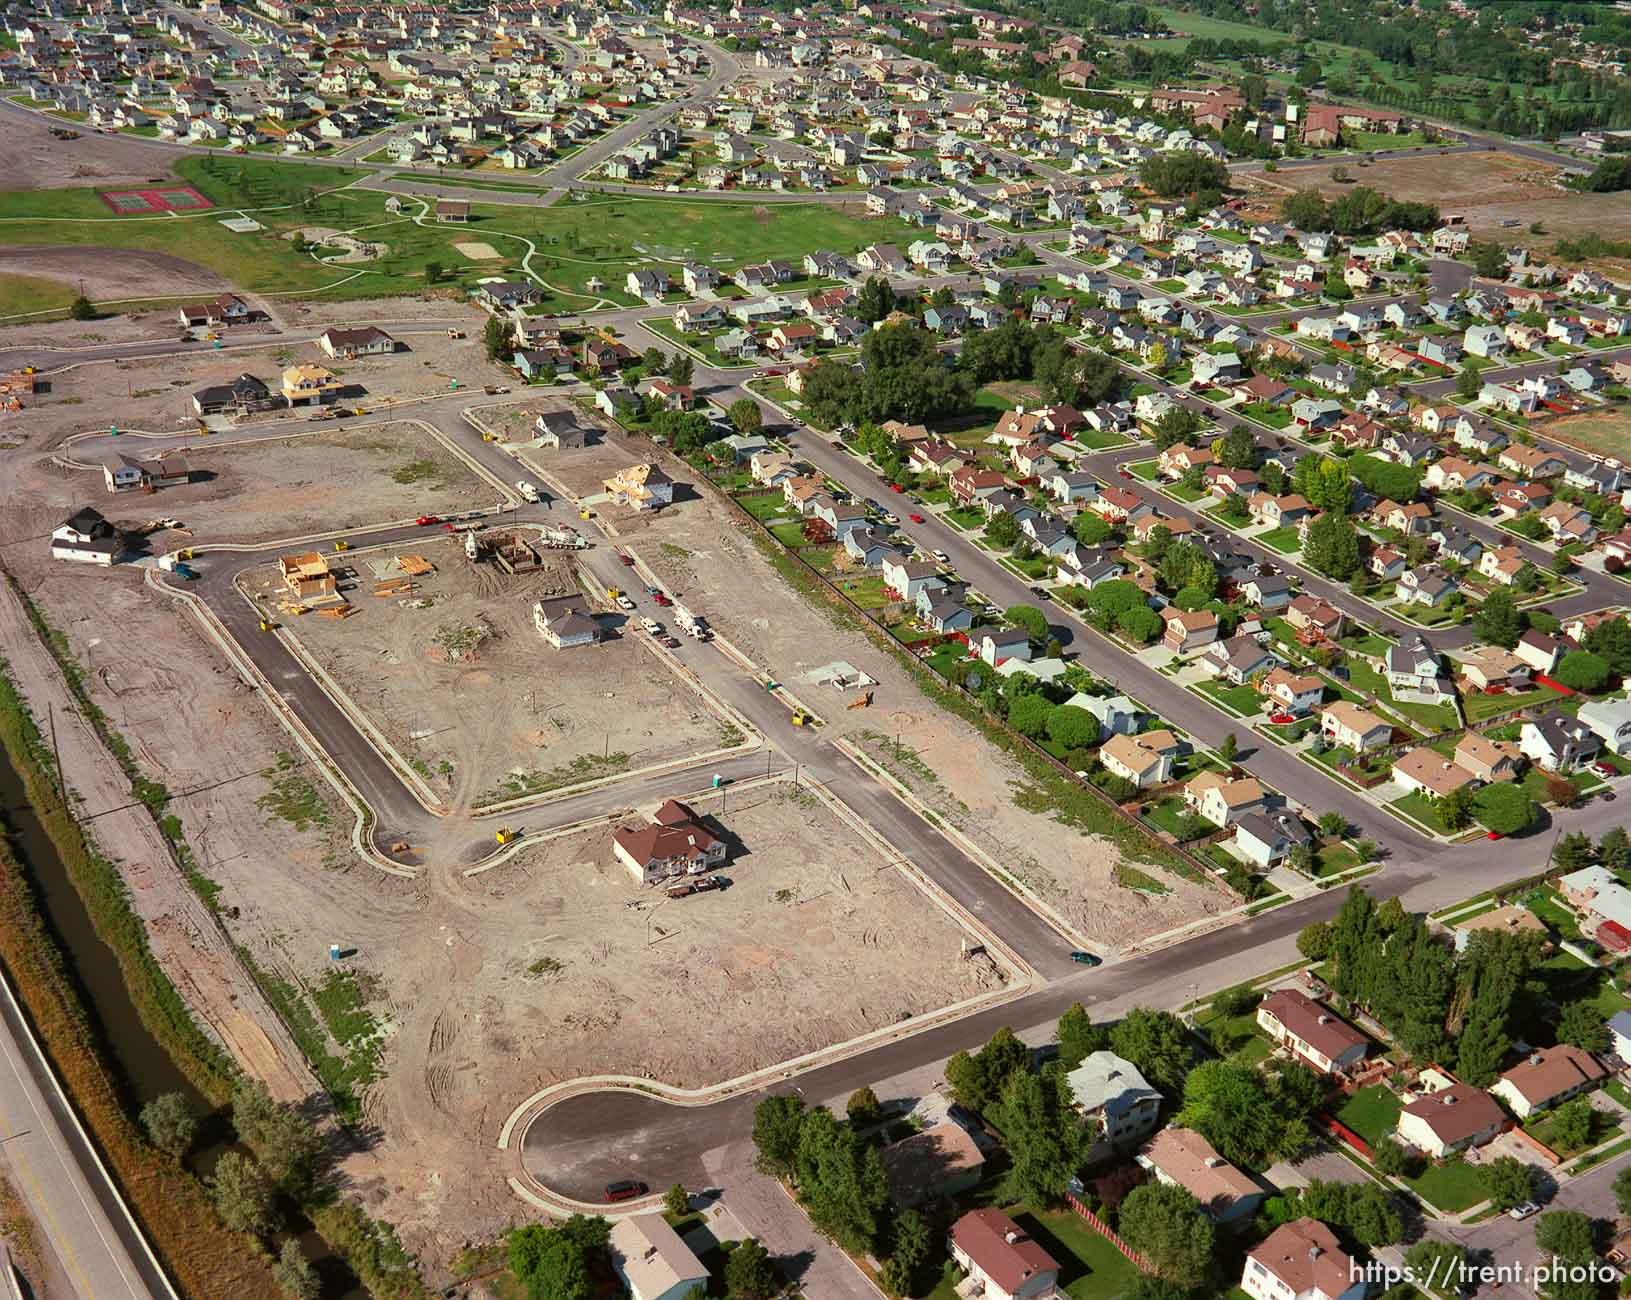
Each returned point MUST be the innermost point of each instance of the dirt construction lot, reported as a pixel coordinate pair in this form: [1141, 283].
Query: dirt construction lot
[478, 702]
[264, 489]
[1487, 188]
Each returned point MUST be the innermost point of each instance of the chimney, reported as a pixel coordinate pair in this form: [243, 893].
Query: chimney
[1011, 1236]
[1314, 1251]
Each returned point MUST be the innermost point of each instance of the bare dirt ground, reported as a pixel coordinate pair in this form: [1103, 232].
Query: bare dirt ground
[507, 715]
[113, 274]
[31, 159]
[702, 553]
[263, 489]
[558, 963]
[444, 304]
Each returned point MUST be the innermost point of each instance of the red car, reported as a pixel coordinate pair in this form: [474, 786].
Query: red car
[661, 599]
[1125, 473]
[626, 558]
[916, 519]
[896, 487]
[1281, 719]
[425, 521]
[1493, 835]
[625, 1189]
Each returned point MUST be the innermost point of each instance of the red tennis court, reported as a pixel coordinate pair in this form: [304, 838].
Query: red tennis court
[169, 198]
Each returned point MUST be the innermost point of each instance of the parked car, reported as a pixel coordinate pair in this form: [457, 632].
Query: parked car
[623, 602]
[1086, 959]
[1523, 1211]
[625, 1189]
[941, 556]
[916, 519]
[1604, 769]
[425, 521]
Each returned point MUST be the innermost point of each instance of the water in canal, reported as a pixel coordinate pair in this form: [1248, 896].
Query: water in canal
[143, 1068]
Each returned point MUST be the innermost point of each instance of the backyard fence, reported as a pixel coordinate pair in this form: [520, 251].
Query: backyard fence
[1104, 1230]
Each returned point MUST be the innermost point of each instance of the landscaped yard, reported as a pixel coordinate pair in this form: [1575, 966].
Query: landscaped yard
[1371, 1112]
[1415, 805]
[1171, 815]
[867, 592]
[1090, 1268]
[1284, 540]
[1478, 706]
[1452, 1186]
[1242, 700]
[966, 517]
[1544, 1130]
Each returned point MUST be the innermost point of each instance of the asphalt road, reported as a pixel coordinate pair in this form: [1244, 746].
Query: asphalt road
[54, 1169]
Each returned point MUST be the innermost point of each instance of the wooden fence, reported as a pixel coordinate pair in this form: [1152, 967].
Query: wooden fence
[1104, 1230]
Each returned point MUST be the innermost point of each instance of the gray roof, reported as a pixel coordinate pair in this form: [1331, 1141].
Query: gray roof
[1106, 1082]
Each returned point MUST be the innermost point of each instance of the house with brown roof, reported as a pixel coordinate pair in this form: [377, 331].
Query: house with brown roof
[1493, 666]
[1183, 1158]
[1311, 1031]
[1547, 1077]
[1488, 760]
[1188, 630]
[1221, 799]
[1144, 759]
[1427, 772]
[1310, 613]
[1003, 1262]
[674, 843]
[1449, 1116]
[971, 483]
[940, 1161]
[1301, 1260]
[1510, 919]
[1294, 693]
[1344, 723]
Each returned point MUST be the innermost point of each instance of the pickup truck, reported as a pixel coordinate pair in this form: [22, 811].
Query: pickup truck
[651, 626]
[528, 491]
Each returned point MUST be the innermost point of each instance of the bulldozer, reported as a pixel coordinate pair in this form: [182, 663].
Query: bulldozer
[342, 546]
[504, 835]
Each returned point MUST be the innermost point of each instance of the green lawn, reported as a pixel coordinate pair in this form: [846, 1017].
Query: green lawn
[1371, 1112]
[1334, 859]
[765, 505]
[867, 592]
[1242, 700]
[575, 241]
[1415, 805]
[22, 294]
[788, 534]
[1544, 1130]
[966, 517]
[1170, 815]
[1478, 706]
[1452, 1186]
[1143, 469]
[1284, 540]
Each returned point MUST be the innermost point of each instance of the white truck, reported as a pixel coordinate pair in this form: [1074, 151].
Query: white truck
[693, 625]
[651, 626]
[528, 491]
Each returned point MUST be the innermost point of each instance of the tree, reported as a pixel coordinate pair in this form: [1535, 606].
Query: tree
[1090, 530]
[841, 1181]
[1333, 824]
[1141, 624]
[170, 1124]
[749, 1274]
[745, 415]
[1001, 530]
[1568, 1234]
[1332, 548]
[1233, 1106]
[1622, 1190]
[1157, 1043]
[1455, 809]
[1505, 808]
[294, 1273]
[1307, 210]
[677, 1201]
[82, 309]
[433, 273]
[1571, 1122]
[1580, 670]
[1611, 639]
[1582, 1024]
[1163, 1223]
[1079, 1037]
[1229, 748]
[978, 1081]
[1574, 850]
[1391, 1158]
[1499, 620]
[1509, 1181]
[1237, 448]
[1488, 258]
[654, 361]
[1072, 727]
[242, 1196]
[863, 1107]
[680, 369]
[1181, 172]
[1314, 940]
[1614, 849]
[776, 1123]
[1028, 715]
[875, 301]
[498, 337]
[551, 1263]
[1029, 617]
[909, 1249]
[286, 1140]
[1046, 1141]
[1437, 1264]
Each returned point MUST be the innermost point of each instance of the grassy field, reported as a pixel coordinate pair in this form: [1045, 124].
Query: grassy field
[20, 294]
[575, 241]
[1608, 432]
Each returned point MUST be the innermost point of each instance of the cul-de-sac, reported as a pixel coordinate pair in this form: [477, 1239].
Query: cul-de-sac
[823, 651]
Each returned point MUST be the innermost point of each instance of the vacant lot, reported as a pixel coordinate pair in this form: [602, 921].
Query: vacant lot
[288, 487]
[1487, 188]
[1606, 432]
[473, 697]
[558, 964]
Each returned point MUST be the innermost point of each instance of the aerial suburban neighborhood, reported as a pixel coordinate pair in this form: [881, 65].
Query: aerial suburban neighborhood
[1096, 540]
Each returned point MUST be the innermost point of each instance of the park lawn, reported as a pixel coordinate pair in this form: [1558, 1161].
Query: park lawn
[1371, 1112]
[1452, 1186]
[1284, 540]
[24, 294]
[575, 240]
